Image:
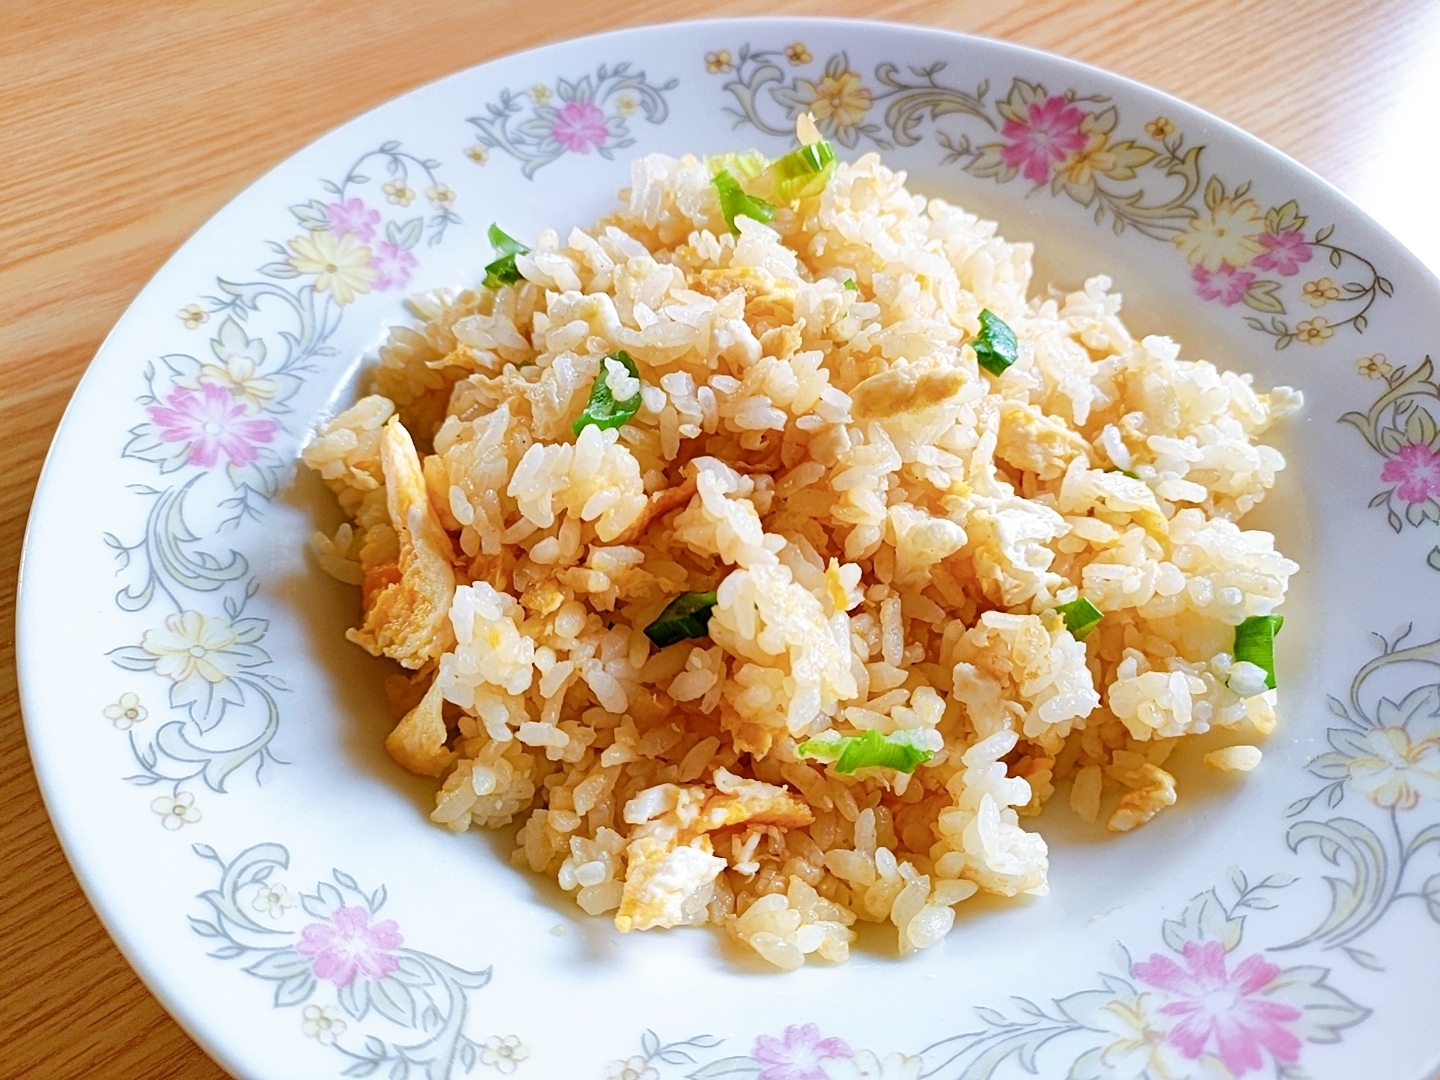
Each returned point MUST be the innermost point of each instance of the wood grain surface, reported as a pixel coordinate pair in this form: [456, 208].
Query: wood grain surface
[123, 126]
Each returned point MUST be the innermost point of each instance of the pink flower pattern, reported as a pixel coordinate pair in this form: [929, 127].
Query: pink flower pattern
[798, 1054]
[394, 264]
[354, 217]
[1227, 285]
[1226, 1007]
[348, 945]
[1050, 134]
[1416, 470]
[1284, 252]
[213, 422]
[580, 125]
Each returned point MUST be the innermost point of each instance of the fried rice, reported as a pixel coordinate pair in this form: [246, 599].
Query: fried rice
[892, 535]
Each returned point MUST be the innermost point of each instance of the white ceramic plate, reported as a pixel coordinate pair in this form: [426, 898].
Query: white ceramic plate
[210, 747]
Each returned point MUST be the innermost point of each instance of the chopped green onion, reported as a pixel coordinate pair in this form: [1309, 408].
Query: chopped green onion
[1255, 643]
[735, 203]
[504, 243]
[802, 172]
[687, 616]
[850, 284]
[1081, 616]
[503, 270]
[1125, 472]
[747, 166]
[995, 346]
[603, 410]
[868, 751]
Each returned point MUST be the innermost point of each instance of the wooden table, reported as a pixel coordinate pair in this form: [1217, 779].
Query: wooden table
[124, 126]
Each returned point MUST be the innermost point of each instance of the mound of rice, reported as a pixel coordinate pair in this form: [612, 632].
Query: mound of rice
[888, 528]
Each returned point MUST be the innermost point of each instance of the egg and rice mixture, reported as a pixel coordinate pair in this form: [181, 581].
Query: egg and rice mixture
[859, 555]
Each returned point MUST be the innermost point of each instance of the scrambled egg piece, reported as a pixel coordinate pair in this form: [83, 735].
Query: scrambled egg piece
[766, 296]
[1155, 791]
[905, 388]
[667, 884]
[418, 741]
[752, 802]
[407, 602]
[1037, 443]
[670, 866]
[670, 862]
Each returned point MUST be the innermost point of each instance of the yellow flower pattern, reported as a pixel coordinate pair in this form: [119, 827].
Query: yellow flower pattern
[504, 1053]
[718, 62]
[238, 374]
[1230, 234]
[341, 267]
[842, 99]
[127, 712]
[1095, 158]
[191, 645]
[176, 811]
[1320, 292]
[633, 1068]
[1374, 367]
[1138, 1045]
[1160, 129]
[398, 193]
[273, 900]
[322, 1023]
[1314, 331]
[477, 153]
[192, 315]
[1398, 771]
[798, 54]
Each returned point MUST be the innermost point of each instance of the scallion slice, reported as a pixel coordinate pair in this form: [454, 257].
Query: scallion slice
[503, 270]
[603, 410]
[734, 202]
[687, 616]
[1081, 616]
[802, 172]
[1255, 643]
[995, 346]
[870, 750]
[746, 166]
[850, 284]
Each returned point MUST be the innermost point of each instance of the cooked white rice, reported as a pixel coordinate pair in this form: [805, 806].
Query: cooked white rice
[889, 529]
